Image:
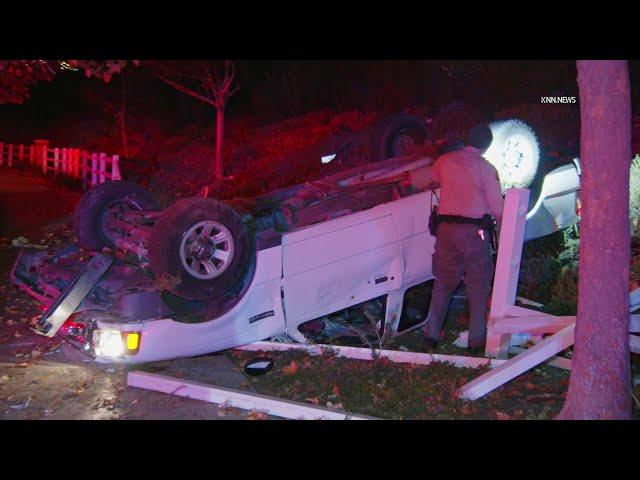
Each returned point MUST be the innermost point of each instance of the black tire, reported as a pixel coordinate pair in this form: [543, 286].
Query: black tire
[166, 242]
[387, 134]
[87, 218]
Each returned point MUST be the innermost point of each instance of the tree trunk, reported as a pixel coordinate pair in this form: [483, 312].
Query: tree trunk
[600, 375]
[219, 139]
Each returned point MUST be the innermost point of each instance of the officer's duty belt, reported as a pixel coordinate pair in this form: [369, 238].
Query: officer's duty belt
[459, 219]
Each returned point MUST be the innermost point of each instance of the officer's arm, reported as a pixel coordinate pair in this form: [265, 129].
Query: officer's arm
[424, 177]
[493, 194]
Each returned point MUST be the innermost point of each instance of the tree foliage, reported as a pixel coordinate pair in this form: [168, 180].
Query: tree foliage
[17, 77]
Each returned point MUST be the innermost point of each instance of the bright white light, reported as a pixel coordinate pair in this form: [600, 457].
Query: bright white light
[514, 159]
[514, 152]
[327, 158]
[108, 343]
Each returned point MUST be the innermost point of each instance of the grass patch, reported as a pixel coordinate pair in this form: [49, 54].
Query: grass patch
[388, 390]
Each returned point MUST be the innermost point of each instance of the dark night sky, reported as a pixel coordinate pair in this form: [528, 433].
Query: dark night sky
[273, 90]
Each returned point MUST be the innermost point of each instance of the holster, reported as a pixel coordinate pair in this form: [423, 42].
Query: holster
[489, 225]
[433, 221]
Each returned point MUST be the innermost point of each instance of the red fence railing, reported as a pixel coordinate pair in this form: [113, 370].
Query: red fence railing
[90, 168]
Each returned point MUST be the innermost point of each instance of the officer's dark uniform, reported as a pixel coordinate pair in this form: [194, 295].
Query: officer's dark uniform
[469, 189]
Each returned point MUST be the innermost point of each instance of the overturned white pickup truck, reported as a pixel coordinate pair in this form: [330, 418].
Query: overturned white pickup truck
[203, 275]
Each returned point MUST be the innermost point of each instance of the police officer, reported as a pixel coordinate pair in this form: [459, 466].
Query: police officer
[469, 190]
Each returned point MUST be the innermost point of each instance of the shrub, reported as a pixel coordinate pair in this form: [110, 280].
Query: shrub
[564, 297]
[537, 278]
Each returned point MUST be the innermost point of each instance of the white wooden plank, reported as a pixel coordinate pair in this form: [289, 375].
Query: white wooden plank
[94, 169]
[634, 299]
[56, 160]
[634, 343]
[115, 168]
[518, 365]
[236, 398]
[45, 160]
[103, 167]
[526, 301]
[508, 265]
[516, 311]
[558, 362]
[548, 323]
[530, 324]
[358, 353]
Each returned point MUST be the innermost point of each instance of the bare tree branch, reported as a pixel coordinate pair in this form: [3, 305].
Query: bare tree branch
[188, 91]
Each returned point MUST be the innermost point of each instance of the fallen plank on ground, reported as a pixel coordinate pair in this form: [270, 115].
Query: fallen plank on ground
[530, 324]
[358, 353]
[236, 398]
[518, 365]
[558, 362]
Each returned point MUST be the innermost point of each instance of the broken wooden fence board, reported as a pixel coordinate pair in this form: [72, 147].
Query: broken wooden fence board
[530, 324]
[516, 311]
[518, 365]
[557, 362]
[507, 269]
[236, 398]
[634, 299]
[358, 353]
[72, 297]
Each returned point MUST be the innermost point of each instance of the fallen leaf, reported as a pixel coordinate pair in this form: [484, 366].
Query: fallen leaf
[255, 415]
[502, 416]
[290, 369]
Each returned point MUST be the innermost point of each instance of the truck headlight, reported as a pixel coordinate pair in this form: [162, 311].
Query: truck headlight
[115, 343]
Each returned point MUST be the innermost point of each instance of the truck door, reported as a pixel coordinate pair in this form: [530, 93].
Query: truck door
[339, 263]
[411, 219]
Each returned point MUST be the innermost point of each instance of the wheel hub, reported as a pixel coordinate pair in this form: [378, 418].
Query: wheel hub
[206, 250]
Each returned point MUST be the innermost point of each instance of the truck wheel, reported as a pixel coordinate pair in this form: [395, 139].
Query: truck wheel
[91, 219]
[514, 152]
[397, 136]
[204, 244]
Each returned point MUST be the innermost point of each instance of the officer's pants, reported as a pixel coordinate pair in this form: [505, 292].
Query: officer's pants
[460, 251]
